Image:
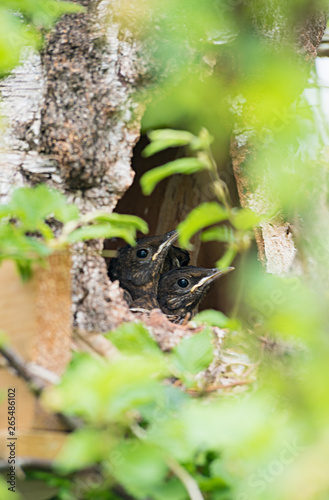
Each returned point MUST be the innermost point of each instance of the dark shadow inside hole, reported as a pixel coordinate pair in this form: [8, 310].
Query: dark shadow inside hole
[170, 202]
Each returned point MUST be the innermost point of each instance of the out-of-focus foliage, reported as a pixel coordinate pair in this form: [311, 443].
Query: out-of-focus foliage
[4, 492]
[27, 237]
[21, 25]
[253, 89]
[238, 235]
[232, 67]
[140, 431]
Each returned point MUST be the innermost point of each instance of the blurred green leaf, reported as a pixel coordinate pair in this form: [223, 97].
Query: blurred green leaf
[194, 354]
[228, 257]
[66, 212]
[181, 166]
[208, 484]
[166, 138]
[121, 220]
[33, 205]
[170, 134]
[108, 392]
[14, 36]
[4, 339]
[231, 424]
[245, 219]
[5, 494]
[138, 466]
[216, 318]
[170, 436]
[18, 247]
[221, 233]
[83, 448]
[172, 489]
[133, 338]
[202, 216]
[101, 231]
[21, 22]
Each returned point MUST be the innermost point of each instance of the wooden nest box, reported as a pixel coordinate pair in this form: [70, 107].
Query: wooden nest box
[36, 317]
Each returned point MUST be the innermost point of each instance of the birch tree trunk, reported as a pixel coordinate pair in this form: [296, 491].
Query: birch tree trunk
[73, 118]
[72, 121]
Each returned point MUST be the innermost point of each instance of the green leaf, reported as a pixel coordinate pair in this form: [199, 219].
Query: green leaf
[165, 134]
[208, 484]
[101, 231]
[202, 216]
[216, 318]
[171, 489]
[22, 249]
[228, 423]
[157, 146]
[133, 338]
[203, 140]
[105, 392]
[181, 166]
[121, 220]
[167, 138]
[138, 466]
[5, 494]
[33, 205]
[212, 318]
[170, 436]
[245, 219]
[83, 448]
[194, 354]
[4, 339]
[66, 213]
[228, 257]
[221, 233]
[5, 211]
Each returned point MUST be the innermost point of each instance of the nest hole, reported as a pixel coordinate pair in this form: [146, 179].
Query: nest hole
[169, 204]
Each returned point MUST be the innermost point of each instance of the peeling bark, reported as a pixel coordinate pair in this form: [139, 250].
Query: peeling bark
[72, 120]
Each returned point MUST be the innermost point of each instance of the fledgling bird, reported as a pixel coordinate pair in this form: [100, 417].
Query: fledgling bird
[138, 268]
[181, 290]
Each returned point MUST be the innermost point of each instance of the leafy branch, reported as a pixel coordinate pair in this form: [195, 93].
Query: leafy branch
[238, 235]
[28, 236]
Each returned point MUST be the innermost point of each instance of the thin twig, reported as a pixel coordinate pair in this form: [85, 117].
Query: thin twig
[190, 484]
[19, 364]
[35, 383]
[29, 463]
[49, 465]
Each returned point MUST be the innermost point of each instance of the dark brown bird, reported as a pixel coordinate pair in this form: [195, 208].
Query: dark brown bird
[138, 268]
[181, 290]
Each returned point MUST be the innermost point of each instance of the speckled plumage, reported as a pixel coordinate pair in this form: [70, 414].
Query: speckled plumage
[139, 276]
[181, 302]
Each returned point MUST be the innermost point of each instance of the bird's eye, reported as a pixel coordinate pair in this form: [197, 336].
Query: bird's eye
[182, 283]
[142, 253]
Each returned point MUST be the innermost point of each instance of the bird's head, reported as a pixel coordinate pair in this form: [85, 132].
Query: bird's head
[182, 289]
[142, 263]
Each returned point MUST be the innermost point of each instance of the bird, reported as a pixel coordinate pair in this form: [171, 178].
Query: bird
[138, 268]
[181, 290]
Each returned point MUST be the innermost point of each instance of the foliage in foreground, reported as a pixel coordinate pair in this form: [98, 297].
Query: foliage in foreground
[22, 23]
[28, 232]
[141, 433]
[145, 434]
[271, 443]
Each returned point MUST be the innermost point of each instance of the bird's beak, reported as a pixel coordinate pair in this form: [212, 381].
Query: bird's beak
[214, 274]
[169, 238]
